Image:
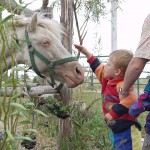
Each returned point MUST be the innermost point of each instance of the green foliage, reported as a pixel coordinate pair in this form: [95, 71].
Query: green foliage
[94, 9]
[6, 19]
[91, 9]
[15, 111]
[24, 77]
[58, 108]
[35, 80]
[89, 130]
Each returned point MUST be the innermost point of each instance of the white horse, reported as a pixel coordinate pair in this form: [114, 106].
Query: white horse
[40, 40]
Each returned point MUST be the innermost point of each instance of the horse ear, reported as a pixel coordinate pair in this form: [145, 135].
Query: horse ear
[32, 25]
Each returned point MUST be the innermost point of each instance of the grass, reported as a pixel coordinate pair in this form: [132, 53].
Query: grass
[142, 119]
[94, 126]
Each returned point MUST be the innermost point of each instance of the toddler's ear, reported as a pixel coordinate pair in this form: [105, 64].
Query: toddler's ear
[118, 72]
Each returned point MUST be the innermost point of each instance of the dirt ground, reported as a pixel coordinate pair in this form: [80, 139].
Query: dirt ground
[43, 143]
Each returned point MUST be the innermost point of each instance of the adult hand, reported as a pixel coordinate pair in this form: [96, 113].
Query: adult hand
[122, 96]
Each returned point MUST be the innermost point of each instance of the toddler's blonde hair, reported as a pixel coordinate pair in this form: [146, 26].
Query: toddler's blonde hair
[121, 58]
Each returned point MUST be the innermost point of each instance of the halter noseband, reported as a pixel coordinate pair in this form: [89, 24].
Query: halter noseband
[50, 64]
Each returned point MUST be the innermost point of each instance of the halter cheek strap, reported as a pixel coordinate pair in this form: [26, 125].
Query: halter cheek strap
[51, 64]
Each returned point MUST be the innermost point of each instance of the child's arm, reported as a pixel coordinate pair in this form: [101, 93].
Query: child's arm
[83, 50]
[122, 108]
[94, 62]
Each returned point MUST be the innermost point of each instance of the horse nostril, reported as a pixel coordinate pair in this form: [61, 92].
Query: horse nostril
[78, 71]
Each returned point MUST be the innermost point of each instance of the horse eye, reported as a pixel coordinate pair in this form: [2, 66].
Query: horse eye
[46, 43]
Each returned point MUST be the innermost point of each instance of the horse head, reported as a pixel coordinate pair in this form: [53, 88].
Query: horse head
[48, 57]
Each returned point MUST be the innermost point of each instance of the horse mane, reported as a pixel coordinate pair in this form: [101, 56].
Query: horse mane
[53, 26]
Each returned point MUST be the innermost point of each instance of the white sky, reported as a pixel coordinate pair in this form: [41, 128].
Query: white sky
[129, 25]
[130, 19]
[130, 22]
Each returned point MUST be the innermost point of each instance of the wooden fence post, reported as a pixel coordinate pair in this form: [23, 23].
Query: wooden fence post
[66, 93]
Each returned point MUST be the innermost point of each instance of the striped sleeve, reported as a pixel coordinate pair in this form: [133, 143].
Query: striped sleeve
[124, 105]
[97, 67]
[130, 99]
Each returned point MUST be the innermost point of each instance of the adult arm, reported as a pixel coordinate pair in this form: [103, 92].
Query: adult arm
[119, 109]
[133, 71]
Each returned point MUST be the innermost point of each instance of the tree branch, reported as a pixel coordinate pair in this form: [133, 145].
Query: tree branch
[35, 91]
[45, 3]
[11, 5]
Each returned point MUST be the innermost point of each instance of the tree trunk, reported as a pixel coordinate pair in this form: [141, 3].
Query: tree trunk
[66, 93]
[114, 7]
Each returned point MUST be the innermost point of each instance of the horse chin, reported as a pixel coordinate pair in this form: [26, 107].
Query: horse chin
[71, 83]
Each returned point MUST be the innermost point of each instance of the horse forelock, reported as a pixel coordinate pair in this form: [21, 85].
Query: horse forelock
[50, 24]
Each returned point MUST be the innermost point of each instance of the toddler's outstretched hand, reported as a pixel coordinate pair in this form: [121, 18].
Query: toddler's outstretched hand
[83, 50]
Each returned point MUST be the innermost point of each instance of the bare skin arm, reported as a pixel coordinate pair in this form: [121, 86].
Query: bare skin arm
[133, 71]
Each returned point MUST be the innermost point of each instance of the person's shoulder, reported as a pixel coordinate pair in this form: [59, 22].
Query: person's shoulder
[147, 19]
